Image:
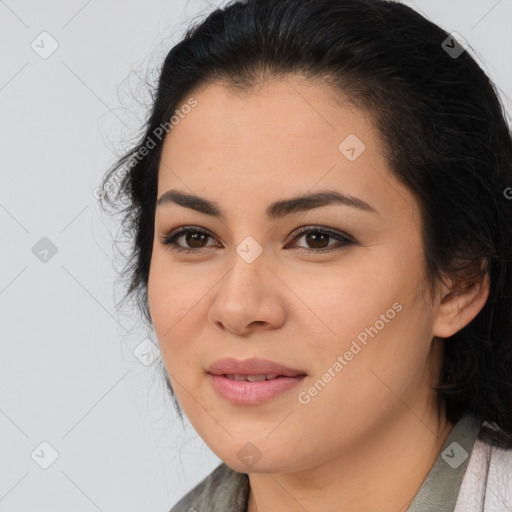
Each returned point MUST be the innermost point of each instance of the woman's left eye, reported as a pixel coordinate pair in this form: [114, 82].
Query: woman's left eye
[318, 239]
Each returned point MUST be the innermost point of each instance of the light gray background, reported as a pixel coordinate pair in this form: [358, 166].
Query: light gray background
[68, 373]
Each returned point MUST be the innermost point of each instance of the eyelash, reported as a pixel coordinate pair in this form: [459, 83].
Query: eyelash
[343, 240]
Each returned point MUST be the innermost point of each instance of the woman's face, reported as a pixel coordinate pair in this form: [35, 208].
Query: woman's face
[344, 304]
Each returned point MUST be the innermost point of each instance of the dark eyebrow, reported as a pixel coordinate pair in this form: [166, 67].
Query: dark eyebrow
[275, 210]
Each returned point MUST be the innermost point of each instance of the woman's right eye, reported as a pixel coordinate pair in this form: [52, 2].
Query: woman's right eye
[193, 237]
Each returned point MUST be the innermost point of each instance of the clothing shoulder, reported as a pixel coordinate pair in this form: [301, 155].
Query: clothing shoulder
[487, 483]
[222, 490]
[498, 489]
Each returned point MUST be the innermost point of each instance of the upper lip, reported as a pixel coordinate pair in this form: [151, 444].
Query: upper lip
[253, 366]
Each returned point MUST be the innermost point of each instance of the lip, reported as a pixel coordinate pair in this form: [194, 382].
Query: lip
[252, 393]
[253, 366]
[242, 392]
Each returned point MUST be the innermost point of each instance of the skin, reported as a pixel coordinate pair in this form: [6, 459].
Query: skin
[369, 438]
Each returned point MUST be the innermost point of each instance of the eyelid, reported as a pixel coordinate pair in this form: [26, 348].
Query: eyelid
[343, 238]
[168, 239]
[335, 233]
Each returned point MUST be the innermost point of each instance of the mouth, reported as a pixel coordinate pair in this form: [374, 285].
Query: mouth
[253, 367]
[253, 378]
[252, 381]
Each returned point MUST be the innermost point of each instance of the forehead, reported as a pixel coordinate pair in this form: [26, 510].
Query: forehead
[284, 136]
[291, 108]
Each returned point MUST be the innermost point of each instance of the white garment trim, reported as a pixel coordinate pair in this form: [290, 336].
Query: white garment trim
[487, 483]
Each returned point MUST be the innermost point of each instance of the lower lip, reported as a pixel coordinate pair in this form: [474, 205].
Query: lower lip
[243, 392]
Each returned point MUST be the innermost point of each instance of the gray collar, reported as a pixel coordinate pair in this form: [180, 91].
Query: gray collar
[441, 487]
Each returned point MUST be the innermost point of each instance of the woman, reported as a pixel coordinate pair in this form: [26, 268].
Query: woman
[321, 215]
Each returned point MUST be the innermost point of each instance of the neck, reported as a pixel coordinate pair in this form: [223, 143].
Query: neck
[382, 474]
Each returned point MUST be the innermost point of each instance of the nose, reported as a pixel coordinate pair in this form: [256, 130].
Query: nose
[249, 298]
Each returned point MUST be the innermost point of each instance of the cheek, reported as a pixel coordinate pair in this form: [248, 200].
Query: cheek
[171, 299]
[170, 313]
[172, 293]
[372, 314]
[343, 302]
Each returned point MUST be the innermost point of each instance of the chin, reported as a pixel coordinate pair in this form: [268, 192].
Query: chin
[249, 457]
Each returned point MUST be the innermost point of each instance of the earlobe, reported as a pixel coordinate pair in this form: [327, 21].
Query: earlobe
[460, 305]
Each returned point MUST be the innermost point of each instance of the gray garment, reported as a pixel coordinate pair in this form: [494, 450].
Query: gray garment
[225, 490]
[440, 489]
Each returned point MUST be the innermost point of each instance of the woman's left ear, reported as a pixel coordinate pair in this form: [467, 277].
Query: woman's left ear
[461, 301]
